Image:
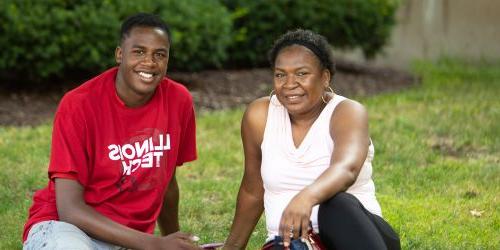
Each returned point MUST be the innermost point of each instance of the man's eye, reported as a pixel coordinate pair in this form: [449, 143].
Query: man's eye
[301, 73]
[138, 52]
[279, 75]
[160, 55]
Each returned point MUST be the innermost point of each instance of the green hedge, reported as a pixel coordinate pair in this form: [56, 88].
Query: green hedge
[50, 39]
[46, 39]
[364, 24]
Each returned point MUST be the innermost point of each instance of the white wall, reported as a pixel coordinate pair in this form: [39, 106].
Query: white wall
[430, 29]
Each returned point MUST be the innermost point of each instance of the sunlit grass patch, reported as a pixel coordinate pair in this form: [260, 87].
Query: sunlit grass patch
[436, 167]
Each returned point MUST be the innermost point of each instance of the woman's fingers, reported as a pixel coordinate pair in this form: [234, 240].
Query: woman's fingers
[304, 227]
[284, 228]
[295, 220]
[293, 227]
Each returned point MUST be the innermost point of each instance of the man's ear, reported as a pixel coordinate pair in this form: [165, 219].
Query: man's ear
[118, 55]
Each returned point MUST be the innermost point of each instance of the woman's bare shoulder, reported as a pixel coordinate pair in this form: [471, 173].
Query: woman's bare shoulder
[349, 115]
[255, 116]
[349, 107]
[257, 109]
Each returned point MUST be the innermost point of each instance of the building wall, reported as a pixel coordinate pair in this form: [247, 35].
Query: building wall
[430, 29]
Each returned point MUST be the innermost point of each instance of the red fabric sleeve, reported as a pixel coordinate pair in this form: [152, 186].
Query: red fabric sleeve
[187, 146]
[68, 157]
[70, 176]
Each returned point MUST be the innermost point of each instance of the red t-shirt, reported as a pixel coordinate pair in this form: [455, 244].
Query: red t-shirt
[123, 157]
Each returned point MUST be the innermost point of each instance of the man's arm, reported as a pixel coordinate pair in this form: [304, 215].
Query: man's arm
[72, 208]
[168, 221]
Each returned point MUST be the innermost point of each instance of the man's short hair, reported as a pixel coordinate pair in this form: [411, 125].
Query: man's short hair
[143, 20]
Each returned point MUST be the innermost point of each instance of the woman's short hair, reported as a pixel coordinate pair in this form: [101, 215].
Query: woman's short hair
[309, 39]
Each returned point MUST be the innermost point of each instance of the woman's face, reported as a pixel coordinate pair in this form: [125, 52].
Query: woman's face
[299, 79]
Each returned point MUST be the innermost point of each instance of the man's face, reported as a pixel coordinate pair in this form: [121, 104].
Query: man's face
[143, 60]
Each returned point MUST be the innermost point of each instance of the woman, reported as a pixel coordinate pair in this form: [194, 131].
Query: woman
[308, 156]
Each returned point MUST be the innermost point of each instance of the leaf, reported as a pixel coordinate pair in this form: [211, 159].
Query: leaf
[476, 213]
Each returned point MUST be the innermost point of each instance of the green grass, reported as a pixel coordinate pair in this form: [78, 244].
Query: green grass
[437, 158]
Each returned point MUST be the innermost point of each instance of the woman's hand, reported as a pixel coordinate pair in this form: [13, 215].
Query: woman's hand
[296, 217]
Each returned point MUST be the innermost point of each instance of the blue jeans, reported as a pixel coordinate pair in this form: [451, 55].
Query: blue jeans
[49, 235]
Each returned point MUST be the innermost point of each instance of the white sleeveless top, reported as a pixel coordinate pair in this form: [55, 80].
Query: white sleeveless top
[286, 170]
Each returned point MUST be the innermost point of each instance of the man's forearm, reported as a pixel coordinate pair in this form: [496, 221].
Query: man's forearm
[105, 229]
[72, 209]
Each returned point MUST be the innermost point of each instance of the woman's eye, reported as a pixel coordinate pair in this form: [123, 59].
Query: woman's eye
[301, 73]
[279, 75]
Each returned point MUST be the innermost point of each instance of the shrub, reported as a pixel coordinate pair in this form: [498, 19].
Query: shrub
[364, 24]
[201, 33]
[46, 39]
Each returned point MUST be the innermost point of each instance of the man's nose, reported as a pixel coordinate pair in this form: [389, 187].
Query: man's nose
[148, 59]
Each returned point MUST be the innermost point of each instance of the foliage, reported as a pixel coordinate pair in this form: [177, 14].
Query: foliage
[43, 39]
[436, 161]
[201, 33]
[52, 39]
[364, 24]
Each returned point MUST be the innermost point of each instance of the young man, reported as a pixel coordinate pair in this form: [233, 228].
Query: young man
[116, 142]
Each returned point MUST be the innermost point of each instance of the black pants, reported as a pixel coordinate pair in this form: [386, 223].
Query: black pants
[345, 224]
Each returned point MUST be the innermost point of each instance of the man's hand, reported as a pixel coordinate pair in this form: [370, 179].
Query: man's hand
[177, 240]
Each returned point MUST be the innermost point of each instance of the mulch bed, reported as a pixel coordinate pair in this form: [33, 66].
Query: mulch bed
[213, 90]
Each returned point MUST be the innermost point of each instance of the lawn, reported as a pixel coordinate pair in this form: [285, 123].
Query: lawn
[436, 164]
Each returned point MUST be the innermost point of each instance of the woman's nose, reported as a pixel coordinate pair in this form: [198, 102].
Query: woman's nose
[290, 81]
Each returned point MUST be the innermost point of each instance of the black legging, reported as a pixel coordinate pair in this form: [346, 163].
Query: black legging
[345, 224]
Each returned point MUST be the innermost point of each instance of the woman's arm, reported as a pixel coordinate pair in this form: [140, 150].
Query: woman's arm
[72, 208]
[250, 204]
[349, 131]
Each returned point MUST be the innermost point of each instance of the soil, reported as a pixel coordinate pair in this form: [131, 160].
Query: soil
[213, 90]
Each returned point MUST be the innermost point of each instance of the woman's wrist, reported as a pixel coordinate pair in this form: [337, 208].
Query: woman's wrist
[309, 197]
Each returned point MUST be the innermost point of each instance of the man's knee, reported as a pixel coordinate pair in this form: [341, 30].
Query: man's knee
[69, 236]
[59, 235]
